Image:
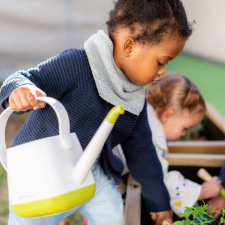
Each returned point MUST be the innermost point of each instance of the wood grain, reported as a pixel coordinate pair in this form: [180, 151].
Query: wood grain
[132, 215]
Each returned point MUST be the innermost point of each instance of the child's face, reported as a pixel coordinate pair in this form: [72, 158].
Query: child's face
[176, 124]
[143, 64]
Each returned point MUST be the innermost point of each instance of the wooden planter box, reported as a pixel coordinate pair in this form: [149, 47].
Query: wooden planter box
[208, 153]
[187, 157]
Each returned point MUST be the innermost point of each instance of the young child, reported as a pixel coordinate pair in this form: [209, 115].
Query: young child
[143, 36]
[181, 108]
[175, 105]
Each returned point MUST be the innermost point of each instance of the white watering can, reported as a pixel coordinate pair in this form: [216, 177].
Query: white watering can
[52, 175]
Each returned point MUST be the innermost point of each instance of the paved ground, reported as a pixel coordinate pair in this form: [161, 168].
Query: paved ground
[32, 31]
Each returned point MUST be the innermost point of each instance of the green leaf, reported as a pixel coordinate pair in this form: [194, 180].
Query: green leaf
[199, 215]
[180, 222]
[188, 211]
[205, 207]
[223, 211]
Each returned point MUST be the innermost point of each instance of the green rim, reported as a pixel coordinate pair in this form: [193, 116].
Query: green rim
[55, 205]
[114, 113]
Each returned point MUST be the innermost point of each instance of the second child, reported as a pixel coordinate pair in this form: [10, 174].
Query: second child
[175, 105]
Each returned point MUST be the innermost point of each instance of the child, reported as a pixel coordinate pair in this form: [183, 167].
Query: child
[174, 105]
[180, 109]
[111, 70]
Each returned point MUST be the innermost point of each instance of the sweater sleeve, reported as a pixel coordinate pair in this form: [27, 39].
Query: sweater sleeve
[183, 192]
[145, 167]
[222, 174]
[54, 76]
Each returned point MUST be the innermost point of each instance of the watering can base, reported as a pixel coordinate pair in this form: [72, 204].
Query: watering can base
[55, 205]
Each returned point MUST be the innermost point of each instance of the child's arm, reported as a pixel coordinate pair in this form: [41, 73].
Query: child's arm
[216, 202]
[23, 98]
[183, 192]
[210, 188]
[56, 76]
[144, 165]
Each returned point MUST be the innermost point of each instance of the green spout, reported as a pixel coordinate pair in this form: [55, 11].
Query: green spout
[113, 114]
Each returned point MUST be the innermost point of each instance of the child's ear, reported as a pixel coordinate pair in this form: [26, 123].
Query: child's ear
[128, 46]
[167, 114]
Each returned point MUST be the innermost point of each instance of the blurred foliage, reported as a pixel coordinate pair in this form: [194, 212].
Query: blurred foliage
[194, 133]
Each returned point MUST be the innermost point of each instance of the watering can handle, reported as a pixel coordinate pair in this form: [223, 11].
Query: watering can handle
[63, 120]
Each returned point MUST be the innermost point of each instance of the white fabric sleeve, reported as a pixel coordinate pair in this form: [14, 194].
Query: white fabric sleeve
[118, 151]
[163, 161]
[183, 192]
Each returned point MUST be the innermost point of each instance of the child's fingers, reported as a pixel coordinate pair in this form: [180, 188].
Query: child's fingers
[18, 99]
[216, 179]
[212, 212]
[40, 104]
[12, 104]
[216, 214]
[31, 98]
[15, 101]
[24, 98]
[218, 188]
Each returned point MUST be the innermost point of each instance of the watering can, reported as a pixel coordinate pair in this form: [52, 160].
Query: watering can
[52, 175]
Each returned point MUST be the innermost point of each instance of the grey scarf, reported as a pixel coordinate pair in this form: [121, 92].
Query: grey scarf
[112, 84]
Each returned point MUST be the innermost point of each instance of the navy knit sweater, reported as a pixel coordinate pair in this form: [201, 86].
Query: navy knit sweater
[222, 175]
[68, 78]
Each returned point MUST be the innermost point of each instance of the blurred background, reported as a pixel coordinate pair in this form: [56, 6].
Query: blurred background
[32, 31]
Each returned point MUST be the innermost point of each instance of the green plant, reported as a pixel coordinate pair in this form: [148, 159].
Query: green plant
[198, 215]
[194, 133]
[222, 219]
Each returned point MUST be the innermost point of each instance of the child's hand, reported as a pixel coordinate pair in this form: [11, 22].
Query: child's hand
[23, 98]
[216, 203]
[165, 217]
[211, 188]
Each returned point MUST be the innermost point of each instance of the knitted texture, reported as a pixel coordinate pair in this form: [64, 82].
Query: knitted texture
[68, 78]
[113, 86]
[222, 174]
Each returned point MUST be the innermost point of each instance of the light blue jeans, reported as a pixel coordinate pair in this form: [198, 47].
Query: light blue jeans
[105, 208]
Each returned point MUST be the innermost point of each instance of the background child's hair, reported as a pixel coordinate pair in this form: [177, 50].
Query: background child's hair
[150, 20]
[177, 92]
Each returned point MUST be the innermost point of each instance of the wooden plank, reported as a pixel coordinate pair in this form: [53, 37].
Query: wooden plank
[197, 147]
[132, 215]
[215, 117]
[205, 160]
[196, 153]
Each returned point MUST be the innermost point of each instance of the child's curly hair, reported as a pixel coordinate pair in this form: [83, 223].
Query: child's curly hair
[175, 91]
[150, 20]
